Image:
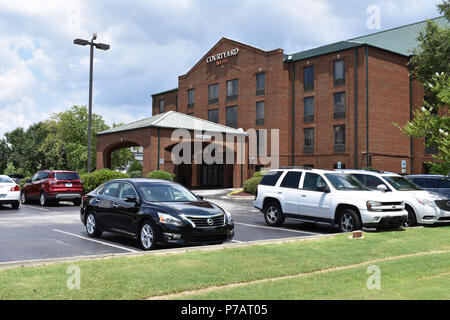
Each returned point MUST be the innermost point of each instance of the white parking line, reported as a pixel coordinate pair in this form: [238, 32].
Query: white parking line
[33, 207]
[275, 228]
[237, 241]
[97, 241]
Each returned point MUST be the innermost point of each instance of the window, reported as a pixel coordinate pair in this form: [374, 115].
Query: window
[313, 181]
[260, 112]
[110, 189]
[308, 109]
[127, 191]
[291, 180]
[369, 181]
[67, 176]
[213, 115]
[43, 175]
[339, 74]
[308, 138]
[232, 90]
[232, 116]
[260, 84]
[162, 104]
[213, 93]
[308, 78]
[271, 178]
[339, 138]
[190, 98]
[339, 105]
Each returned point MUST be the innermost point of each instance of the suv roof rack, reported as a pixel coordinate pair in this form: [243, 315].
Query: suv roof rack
[297, 167]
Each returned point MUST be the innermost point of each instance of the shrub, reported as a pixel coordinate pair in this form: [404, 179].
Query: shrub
[135, 166]
[161, 174]
[251, 184]
[135, 174]
[94, 179]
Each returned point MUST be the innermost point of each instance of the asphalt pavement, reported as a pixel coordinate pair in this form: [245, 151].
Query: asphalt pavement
[33, 232]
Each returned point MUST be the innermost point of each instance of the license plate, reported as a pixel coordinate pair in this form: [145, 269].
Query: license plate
[68, 185]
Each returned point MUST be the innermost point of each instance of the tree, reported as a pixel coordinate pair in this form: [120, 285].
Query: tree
[4, 154]
[431, 65]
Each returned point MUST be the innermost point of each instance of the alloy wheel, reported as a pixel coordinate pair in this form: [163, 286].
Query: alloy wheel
[146, 236]
[272, 214]
[90, 224]
[347, 222]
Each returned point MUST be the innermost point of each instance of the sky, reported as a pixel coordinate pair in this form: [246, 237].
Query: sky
[153, 42]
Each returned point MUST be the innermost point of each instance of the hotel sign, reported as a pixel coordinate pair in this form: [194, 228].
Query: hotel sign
[222, 57]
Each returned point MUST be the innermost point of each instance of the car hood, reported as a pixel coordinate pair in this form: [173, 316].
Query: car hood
[426, 195]
[197, 208]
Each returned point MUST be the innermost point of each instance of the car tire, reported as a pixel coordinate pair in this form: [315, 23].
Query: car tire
[147, 236]
[349, 221]
[23, 198]
[15, 205]
[91, 226]
[43, 200]
[411, 220]
[273, 214]
[77, 202]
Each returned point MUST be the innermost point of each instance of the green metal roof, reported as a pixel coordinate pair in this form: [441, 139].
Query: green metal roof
[175, 120]
[166, 91]
[400, 40]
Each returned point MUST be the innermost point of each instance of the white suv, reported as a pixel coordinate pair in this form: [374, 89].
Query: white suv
[325, 196]
[424, 207]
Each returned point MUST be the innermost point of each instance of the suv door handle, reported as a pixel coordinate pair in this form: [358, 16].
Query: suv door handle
[304, 195]
[115, 205]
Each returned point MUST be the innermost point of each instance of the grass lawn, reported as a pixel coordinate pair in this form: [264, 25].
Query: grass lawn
[415, 277]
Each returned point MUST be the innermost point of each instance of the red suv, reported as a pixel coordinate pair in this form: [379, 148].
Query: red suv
[53, 186]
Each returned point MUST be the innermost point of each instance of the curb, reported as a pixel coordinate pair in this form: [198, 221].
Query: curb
[238, 197]
[52, 261]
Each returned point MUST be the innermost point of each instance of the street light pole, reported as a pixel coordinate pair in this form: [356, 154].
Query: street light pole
[101, 46]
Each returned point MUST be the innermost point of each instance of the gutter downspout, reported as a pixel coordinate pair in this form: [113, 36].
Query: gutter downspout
[356, 108]
[411, 144]
[159, 145]
[293, 115]
[367, 107]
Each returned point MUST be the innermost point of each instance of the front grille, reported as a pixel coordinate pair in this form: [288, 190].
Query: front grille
[391, 203]
[206, 222]
[444, 219]
[443, 204]
[392, 221]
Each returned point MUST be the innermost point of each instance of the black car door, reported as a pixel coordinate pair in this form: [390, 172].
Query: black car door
[124, 213]
[103, 204]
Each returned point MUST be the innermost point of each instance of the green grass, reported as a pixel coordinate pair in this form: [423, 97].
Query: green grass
[151, 275]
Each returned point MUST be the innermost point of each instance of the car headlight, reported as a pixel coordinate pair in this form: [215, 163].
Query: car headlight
[372, 205]
[425, 202]
[168, 219]
[228, 215]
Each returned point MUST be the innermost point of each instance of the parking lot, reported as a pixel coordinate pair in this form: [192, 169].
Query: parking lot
[33, 232]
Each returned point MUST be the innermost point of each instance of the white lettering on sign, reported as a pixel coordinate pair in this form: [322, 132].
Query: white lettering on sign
[222, 55]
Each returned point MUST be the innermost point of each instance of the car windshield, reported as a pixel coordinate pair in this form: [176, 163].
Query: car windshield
[344, 181]
[5, 180]
[66, 176]
[401, 183]
[159, 192]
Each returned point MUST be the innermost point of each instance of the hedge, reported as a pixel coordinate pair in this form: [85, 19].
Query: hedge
[251, 184]
[135, 174]
[161, 174]
[94, 179]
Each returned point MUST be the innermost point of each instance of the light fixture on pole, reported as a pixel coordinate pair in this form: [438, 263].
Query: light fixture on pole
[100, 46]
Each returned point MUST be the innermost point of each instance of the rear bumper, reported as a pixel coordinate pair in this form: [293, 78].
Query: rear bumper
[9, 198]
[65, 196]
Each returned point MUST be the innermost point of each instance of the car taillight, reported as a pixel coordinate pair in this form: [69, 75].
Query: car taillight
[15, 188]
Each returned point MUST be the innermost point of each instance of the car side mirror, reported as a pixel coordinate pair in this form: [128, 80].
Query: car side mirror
[323, 188]
[200, 197]
[382, 187]
[131, 199]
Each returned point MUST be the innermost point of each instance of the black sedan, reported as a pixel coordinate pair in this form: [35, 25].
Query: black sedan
[154, 211]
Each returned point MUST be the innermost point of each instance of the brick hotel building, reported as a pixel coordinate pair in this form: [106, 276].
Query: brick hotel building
[334, 105]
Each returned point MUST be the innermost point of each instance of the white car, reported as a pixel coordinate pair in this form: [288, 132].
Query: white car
[9, 192]
[424, 207]
[325, 196]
